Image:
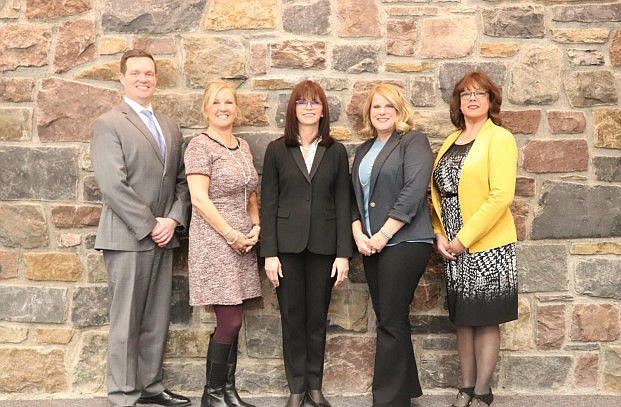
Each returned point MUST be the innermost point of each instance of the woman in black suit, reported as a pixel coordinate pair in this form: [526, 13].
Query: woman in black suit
[305, 236]
[392, 229]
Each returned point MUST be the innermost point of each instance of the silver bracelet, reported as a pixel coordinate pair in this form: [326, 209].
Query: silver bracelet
[234, 240]
[388, 236]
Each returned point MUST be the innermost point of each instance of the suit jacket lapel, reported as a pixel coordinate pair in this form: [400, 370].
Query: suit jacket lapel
[362, 151]
[316, 160]
[139, 124]
[390, 145]
[299, 161]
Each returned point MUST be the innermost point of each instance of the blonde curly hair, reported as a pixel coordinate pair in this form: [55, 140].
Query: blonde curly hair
[211, 91]
[394, 94]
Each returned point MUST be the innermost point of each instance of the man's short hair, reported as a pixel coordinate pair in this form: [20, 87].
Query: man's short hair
[135, 53]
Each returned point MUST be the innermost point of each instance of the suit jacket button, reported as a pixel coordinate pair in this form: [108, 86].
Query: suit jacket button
[372, 204]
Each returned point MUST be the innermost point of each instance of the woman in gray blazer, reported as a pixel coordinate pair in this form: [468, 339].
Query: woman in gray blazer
[392, 229]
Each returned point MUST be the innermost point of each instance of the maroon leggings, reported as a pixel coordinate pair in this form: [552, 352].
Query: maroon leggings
[229, 320]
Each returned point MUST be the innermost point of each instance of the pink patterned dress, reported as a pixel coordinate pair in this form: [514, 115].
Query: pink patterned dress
[217, 274]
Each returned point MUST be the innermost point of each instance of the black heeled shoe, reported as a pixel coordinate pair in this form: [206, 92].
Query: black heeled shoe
[484, 400]
[317, 399]
[464, 397]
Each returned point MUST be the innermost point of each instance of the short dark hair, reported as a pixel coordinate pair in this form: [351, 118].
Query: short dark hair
[482, 81]
[135, 53]
[307, 90]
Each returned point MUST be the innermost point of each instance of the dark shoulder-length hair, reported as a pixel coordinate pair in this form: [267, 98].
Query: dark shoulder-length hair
[309, 90]
[476, 80]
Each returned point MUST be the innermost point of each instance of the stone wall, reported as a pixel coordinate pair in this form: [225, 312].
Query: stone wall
[559, 66]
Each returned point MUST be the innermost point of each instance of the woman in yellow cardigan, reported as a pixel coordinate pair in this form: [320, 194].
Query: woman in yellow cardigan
[472, 188]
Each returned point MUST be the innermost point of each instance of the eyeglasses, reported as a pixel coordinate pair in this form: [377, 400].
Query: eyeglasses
[478, 94]
[304, 102]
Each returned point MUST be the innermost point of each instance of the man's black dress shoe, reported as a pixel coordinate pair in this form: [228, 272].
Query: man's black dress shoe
[166, 398]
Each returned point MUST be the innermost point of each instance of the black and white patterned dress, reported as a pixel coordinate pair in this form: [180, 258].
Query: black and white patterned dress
[481, 287]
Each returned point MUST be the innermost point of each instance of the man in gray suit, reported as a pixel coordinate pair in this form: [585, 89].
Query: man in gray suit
[138, 160]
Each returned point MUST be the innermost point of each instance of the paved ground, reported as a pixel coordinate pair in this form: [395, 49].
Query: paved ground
[425, 401]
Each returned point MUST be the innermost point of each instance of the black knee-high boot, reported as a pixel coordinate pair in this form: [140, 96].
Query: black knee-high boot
[230, 392]
[217, 355]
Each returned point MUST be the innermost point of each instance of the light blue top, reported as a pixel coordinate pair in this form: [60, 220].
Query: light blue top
[364, 175]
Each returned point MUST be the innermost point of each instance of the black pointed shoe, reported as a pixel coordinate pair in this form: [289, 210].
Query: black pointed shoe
[317, 399]
[166, 398]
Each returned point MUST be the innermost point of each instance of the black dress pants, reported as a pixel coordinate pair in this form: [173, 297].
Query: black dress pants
[392, 276]
[304, 297]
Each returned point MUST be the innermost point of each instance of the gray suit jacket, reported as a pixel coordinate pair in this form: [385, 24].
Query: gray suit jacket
[398, 186]
[136, 182]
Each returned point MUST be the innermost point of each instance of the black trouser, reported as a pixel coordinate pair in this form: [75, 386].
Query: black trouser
[304, 297]
[392, 276]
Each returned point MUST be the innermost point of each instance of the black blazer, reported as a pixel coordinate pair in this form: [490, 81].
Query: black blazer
[301, 210]
[398, 186]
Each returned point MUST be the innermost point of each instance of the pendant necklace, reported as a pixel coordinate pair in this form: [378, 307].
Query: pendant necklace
[245, 168]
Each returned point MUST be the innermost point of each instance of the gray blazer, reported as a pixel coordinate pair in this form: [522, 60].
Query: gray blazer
[398, 186]
[136, 182]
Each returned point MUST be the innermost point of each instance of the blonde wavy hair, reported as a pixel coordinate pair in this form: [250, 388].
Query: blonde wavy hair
[394, 94]
[211, 91]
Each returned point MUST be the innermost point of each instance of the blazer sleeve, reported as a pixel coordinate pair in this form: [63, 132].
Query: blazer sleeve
[269, 204]
[355, 211]
[111, 175]
[343, 205]
[502, 159]
[181, 205]
[417, 167]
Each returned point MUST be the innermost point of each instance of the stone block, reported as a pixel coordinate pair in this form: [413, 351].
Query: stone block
[585, 57]
[272, 84]
[499, 49]
[90, 188]
[344, 355]
[33, 304]
[263, 336]
[523, 21]
[434, 124]
[16, 90]
[312, 18]
[24, 45]
[612, 369]
[438, 370]
[187, 343]
[591, 88]
[95, 268]
[185, 375]
[75, 45]
[355, 58]
[298, 54]
[536, 76]
[357, 18]
[156, 45]
[587, 13]
[518, 335]
[90, 306]
[349, 308]
[448, 37]
[550, 328]
[406, 67]
[411, 11]
[520, 210]
[56, 8]
[262, 377]
[590, 211]
[107, 71]
[607, 168]
[451, 72]
[542, 267]
[252, 107]
[580, 35]
[40, 371]
[607, 122]
[52, 266]
[542, 156]
[423, 91]
[615, 49]
[257, 59]
[596, 248]
[537, 372]
[23, 226]
[258, 144]
[521, 121]
[89, 370]
[110, 45]
[72, 216]
[88, 240]
[524, 186]
[599, 277]
[595, 323]
[15, 124]
[440, 343]
[431, 324]
[8, 264]
[208, 58]
[400, 37]
[237, 15]
[151, 16]
[427, 297]
[586, 371]
[566, 122]
[340, 133]
[180, 309]
[58, 336]
[183, 108]
[10, 9]
[68, 239]
[13, 334]
[70, 120]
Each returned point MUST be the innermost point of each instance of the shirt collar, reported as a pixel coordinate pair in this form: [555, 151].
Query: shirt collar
[137, 107]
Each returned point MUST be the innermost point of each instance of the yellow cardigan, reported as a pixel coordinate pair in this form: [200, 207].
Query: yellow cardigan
[485, 191]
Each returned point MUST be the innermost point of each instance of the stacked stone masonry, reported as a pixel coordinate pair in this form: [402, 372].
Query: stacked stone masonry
[559, 66]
